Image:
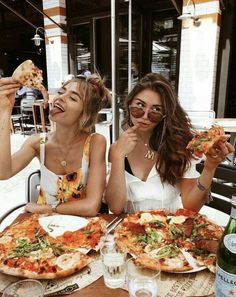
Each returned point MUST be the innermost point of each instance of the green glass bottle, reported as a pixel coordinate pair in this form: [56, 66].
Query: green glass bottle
[225, 284]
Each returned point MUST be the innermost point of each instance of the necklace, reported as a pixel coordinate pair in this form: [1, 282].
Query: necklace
[63, 163]
[149, 154]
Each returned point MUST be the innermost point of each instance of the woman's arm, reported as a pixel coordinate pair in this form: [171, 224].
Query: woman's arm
[10, 165]
[90, 205]
[115, 194]
[194, 192]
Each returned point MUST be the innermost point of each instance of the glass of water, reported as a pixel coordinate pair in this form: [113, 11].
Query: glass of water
[142, 282]
[114, 265]
[24, 288]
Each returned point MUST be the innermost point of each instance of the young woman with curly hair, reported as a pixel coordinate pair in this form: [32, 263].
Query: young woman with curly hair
[150, 166]
[72, 158]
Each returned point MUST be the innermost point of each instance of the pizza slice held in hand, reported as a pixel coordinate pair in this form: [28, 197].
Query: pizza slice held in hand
[30, 76]
[205, 140]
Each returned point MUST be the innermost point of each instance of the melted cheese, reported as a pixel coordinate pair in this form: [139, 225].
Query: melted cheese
[174, 262]
[147, 217]
[45, 254]
[68, 260]
[5, 239]
[177, 220]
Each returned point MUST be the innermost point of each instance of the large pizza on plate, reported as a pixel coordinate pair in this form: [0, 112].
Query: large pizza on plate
[157, 236]
[28, 250]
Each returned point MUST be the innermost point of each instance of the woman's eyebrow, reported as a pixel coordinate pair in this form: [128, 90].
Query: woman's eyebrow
[154, 105]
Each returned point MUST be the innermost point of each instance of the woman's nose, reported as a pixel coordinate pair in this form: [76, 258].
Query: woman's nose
[146, 111]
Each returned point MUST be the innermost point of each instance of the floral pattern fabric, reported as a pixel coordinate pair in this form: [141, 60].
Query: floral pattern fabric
[63, 188]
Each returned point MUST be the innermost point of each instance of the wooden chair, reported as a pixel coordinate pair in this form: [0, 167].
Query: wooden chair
[223, 186]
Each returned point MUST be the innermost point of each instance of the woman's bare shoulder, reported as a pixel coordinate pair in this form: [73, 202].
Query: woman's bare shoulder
[98, 139]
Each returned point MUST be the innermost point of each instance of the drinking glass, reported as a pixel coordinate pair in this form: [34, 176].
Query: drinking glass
[114, 265]
[24, 288]
[142, 282]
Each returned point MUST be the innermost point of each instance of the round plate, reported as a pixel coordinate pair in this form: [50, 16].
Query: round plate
[58, 224]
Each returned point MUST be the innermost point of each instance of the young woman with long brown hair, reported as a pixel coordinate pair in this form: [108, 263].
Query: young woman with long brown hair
[150, 166]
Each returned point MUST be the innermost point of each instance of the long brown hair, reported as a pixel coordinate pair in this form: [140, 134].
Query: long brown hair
[171, 136]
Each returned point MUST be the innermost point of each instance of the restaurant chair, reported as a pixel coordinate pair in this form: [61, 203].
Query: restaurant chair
[201, 119]
[223, 186]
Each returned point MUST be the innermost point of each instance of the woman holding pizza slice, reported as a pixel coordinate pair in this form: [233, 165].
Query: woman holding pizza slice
[72, 159]
[150, 165]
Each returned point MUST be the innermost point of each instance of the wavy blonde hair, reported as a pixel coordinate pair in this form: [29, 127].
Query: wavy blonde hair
[94, 93]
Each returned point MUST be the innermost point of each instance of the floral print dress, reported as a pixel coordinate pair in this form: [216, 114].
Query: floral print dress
[62, 188]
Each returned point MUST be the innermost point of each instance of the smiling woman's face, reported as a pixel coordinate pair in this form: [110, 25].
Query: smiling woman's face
[67, 103]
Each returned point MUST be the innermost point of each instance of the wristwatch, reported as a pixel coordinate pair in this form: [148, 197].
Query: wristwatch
[55, 205]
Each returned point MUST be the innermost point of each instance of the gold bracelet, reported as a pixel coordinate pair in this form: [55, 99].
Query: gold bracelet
[200, 186]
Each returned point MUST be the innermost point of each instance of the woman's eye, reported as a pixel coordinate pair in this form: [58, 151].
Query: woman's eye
[60, 92]
[73, 99]
[139, 104]
[157, 109]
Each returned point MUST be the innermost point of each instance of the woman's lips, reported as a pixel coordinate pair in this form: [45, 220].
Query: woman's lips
[143, 125]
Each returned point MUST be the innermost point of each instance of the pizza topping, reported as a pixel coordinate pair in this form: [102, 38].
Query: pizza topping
[176, 219]
[68, 260]
[169, 251]
[150, 218]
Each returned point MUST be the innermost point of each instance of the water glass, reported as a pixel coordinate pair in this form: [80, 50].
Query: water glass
[142, 282]
[24, 288]
[114, 265]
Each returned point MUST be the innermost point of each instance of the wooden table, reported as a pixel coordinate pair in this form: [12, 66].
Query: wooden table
[96, 289]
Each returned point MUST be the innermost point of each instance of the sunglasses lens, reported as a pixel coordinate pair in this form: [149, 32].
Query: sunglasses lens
[155, 117]
[136, 112]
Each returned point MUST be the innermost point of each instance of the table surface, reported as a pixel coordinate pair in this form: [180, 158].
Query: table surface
[97, 288]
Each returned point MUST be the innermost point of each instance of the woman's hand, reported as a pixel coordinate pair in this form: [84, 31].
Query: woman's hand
[126, 142]
[8, 88]
[38, 208]
[218, 154]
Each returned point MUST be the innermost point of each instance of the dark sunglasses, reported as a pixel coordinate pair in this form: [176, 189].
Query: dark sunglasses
[153, 116]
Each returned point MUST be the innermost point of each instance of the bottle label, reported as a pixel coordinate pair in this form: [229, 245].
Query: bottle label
[225, 284]
[233, 212]
[230, 242]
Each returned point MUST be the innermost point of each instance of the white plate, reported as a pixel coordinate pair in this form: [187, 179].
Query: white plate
[219, 217]
[58, 224]
[192, 262]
